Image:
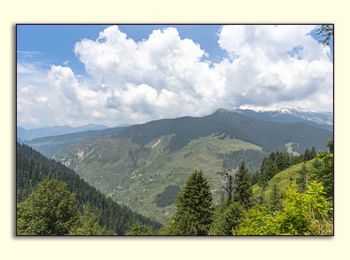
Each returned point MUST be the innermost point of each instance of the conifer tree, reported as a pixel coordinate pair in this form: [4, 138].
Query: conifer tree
[194, 208]
[243, 188]
[275, 198]
[301, 180]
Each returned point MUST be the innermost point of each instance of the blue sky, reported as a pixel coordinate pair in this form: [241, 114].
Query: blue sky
[125, 74]
[49, 44]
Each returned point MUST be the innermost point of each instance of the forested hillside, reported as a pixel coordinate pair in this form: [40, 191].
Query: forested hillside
[297, 200]
[33, 168]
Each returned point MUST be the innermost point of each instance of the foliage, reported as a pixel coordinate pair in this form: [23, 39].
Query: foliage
[194, 208]
[139, 230]
[258, 221]
[49, 210]
[88, 223]
[326, 31]
[243, 187]
[324, 173]
[308, 213]
[227, 219]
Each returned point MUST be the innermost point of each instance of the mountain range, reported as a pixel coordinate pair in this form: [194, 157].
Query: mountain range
[144, 166]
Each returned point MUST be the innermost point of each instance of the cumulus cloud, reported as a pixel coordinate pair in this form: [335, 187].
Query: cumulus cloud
[165, 75]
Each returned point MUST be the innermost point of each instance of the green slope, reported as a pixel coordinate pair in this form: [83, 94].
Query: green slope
[283, 179]
[135, 174]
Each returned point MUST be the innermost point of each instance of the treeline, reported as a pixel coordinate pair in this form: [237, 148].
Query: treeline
[34, 168]
[279, 161]
[304, 208]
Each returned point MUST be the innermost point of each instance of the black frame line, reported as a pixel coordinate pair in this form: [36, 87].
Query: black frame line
[177, 236]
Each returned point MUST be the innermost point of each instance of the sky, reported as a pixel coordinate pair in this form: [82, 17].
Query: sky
[128, 74]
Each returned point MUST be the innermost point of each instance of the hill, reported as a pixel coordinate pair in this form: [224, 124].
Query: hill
[283, 179]
[32, 168]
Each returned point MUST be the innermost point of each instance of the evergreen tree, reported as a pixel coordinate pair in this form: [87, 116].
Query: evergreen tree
[301, 180]
[275, 198]
[49, 210]
[330, 145]
[194, 208]
[324, 173]
[227, 219]
[243, 188]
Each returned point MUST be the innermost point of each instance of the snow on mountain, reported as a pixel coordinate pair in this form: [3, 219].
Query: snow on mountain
[289, 115]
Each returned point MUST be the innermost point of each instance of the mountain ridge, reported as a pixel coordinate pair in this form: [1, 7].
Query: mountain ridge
[29, 134]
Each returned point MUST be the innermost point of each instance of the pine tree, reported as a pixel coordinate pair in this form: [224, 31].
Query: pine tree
[227, 219]
[243, 188]
[194, 208]
[275, 198]
[301, 180]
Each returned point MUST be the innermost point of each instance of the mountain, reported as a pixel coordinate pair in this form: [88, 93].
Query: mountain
[52, 145]
[32, 167]
[292, 115]
[30, 134]
[144, 166]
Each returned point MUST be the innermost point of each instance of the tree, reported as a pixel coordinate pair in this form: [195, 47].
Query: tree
[275, 198]
[228, 185]
[49, 210]
[267, 171]
[258, 221]
[88, 223]
[139, 230]
[330, 145]
[326, 31]
[194, 207]
[243, 188]
[301, 180]
[324, 173]
[226, 220]
[306, 213]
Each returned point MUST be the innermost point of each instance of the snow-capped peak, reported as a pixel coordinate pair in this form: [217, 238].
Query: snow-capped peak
[292, 111]
[277, 108]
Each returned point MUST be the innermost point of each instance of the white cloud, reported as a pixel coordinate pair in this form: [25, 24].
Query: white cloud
[166, 76]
